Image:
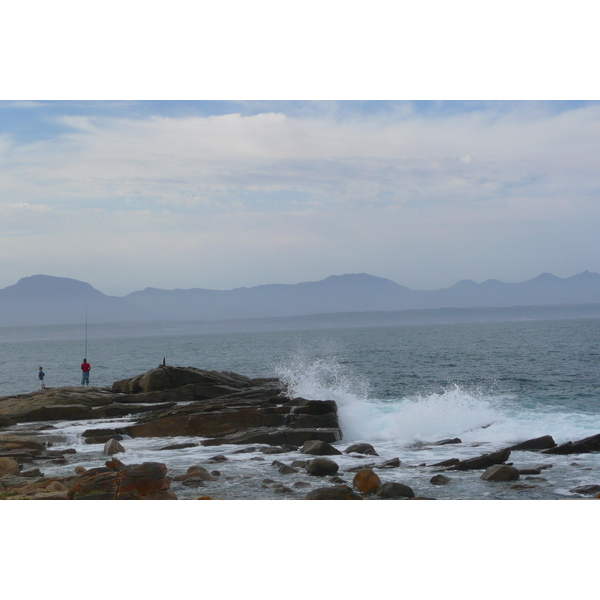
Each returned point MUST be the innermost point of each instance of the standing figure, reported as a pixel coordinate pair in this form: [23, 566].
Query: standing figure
[85, 372]
[41, 376]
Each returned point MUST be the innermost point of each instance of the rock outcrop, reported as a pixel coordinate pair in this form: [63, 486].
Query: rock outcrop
[224, 407]
[585, 445]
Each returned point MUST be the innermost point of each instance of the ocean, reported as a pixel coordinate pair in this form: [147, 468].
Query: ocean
[399, 388]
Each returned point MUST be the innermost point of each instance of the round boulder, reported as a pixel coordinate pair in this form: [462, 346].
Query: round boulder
[321, 467]
[363, 448]
[366, 481]
[395, 490]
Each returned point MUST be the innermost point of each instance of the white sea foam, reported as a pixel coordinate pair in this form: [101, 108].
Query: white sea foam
[475, 416]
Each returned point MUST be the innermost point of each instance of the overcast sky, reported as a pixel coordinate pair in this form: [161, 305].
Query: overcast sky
[182, 194]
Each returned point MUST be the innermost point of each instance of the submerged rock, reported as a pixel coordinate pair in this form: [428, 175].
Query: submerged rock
[439, 480]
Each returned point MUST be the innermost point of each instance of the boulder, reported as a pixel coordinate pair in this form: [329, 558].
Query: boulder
[319, 447]
[113, 447]
[586, 489]
[395, 490]
[9, 466]
[366, 481]
[439, 480]
[539, 443]
[585, 445]
[146, 481]
[338, 492]
[321, 467]
[362, 448]
[500, 473]
[482, 462]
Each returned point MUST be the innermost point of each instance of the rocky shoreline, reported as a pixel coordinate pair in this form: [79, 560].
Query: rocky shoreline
[250, 417]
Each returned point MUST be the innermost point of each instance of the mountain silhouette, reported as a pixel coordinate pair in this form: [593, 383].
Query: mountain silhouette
[46, 300]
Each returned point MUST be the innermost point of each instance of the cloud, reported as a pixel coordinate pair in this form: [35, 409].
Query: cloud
[274, 187]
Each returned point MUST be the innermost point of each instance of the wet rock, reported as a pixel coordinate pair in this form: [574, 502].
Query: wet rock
[276, 437]
[366, 481]
[338, 492]
[114, 463]
[302, 484]
[389, 464]
[319, 448]
[300, 464]
[218, 458]
[586, 489]
[522, 486]
[585, 445]
[9, 466]
[179, 446]
[286, 470]
[439, 480]
[451, 462]
[321, 467]
[196, 471]
[113, 447]
[32, 473]
[500, 472]
[362, 448]
[539, 443]
[530, 471]
[448, 441]
[395, 490]
[193, 482]
[482, 462]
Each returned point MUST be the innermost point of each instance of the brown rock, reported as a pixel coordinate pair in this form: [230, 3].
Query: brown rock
[338, 492]
[319, 447]
[366, 481]
[500, 473]
[9, 466]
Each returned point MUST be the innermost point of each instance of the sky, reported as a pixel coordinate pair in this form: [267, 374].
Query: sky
[104, 182]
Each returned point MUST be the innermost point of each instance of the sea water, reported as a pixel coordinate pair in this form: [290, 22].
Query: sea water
[401, 389]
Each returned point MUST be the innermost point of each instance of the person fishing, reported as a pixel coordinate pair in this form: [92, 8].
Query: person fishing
[41, 376]
[85, 372]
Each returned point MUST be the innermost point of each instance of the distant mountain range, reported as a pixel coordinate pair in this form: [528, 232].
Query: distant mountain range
[46, 300]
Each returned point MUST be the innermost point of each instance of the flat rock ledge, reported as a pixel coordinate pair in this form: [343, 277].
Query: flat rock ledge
[224, 407]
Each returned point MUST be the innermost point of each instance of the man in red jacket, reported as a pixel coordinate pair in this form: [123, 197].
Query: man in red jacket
[85, 372]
